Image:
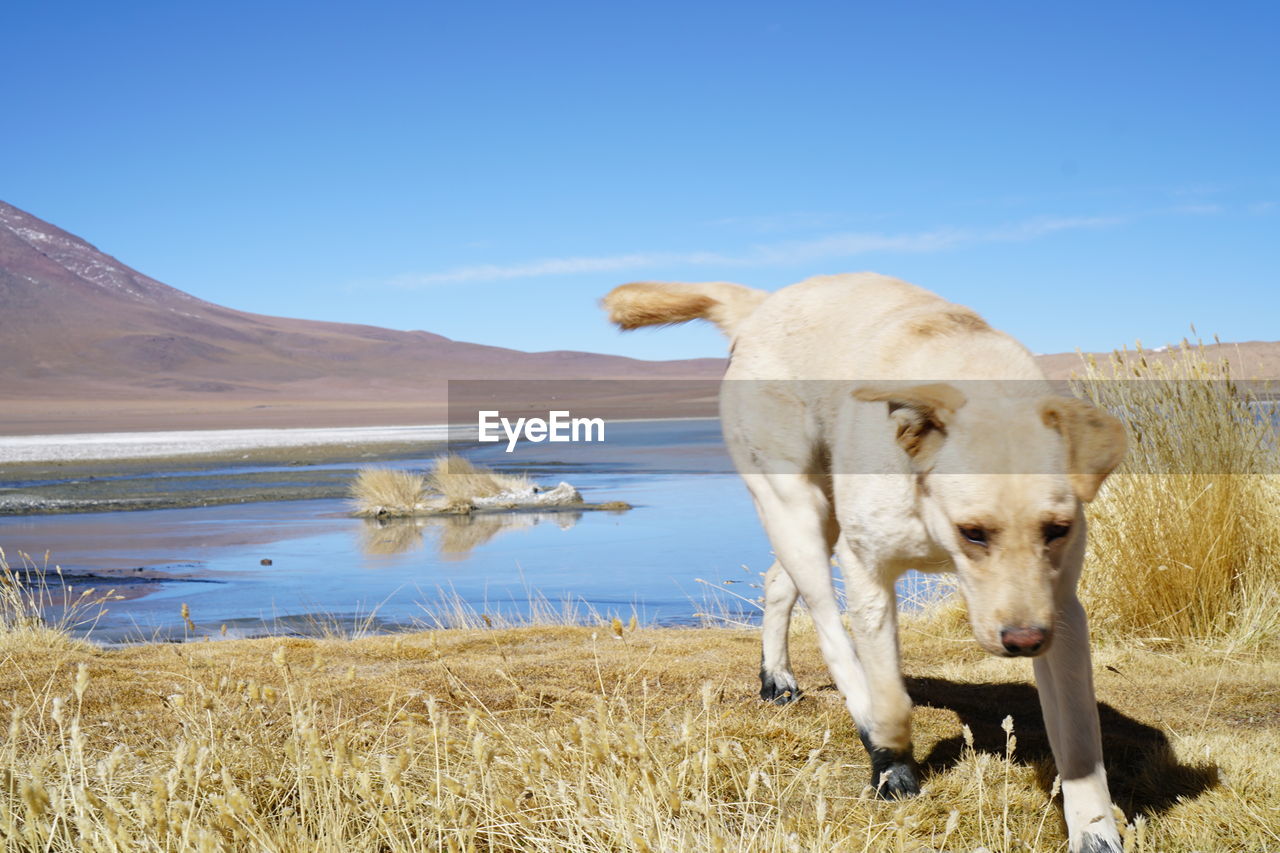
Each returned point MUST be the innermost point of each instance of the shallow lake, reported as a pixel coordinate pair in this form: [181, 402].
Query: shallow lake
[691, 546]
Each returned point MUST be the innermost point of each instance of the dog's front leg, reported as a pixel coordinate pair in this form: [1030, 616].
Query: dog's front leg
[794, 512]
[886, 730]
[1064, 676]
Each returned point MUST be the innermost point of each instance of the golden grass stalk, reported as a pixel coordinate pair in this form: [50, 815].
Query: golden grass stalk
[1185, 536]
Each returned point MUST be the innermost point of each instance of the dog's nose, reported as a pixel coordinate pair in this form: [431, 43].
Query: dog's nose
[1022, 641]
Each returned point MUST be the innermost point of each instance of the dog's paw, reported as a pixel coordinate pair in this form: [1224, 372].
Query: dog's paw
[894, 775]
[1097, 844]
[778, 687]
[896, 780]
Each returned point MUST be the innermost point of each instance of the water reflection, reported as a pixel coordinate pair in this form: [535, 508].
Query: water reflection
[455, 536]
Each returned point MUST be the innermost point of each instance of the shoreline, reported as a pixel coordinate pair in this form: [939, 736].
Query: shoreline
[180, 445]
[171, 444]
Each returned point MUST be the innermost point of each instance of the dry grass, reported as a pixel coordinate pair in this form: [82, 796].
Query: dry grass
[457, 480]
[615, 737]
[451, 484]
[1185, 537]
[609, 738]
[388, 491]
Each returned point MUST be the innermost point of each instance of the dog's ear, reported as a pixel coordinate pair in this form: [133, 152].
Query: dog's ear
[1095, 441]
[921, 413]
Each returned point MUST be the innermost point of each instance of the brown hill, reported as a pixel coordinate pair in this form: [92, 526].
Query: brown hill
[87, 344]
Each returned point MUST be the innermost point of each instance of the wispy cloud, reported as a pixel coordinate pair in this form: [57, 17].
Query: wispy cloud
[843, 245]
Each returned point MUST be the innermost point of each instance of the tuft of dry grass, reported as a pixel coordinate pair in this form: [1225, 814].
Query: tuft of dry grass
[451, 484]
[1185, 536]
[388, 491]
[35, 614]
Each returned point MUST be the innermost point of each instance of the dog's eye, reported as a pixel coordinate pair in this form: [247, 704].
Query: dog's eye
[973, 534]
[1054, 532]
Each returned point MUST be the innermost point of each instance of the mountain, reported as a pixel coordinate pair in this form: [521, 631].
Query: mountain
[87, 343]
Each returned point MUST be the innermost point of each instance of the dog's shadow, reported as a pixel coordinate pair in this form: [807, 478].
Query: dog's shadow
[1142, 772]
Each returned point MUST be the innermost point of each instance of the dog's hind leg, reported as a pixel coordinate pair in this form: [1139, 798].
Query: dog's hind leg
[796, 512]
[777, 682]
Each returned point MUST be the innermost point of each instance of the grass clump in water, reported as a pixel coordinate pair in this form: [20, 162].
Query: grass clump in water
[451, 484]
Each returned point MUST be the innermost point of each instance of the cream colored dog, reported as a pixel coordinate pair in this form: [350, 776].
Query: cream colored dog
[876, 421]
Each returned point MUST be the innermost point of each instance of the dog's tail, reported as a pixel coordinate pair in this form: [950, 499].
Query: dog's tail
[653, 303]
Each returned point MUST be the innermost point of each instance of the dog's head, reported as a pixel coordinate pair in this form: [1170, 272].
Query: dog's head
[1002, 479]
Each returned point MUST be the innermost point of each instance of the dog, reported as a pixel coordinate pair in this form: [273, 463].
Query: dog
[874, 420]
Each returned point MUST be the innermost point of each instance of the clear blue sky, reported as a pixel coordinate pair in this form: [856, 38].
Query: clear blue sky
[1084, 174]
